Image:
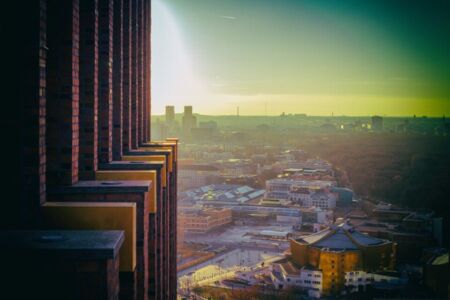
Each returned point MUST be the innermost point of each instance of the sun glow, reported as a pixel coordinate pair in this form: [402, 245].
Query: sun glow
[173, 79]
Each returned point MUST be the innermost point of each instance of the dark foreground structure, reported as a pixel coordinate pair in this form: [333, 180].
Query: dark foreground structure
[88, 206]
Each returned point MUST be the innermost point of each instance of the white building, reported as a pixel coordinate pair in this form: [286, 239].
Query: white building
[281, 188]
[307, 193]
[285, 274]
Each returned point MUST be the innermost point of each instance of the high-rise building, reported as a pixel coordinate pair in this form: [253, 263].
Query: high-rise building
[82, 219]
[170, 114]
[189, 121]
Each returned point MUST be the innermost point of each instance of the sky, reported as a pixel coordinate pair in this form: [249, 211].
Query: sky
[346, 57]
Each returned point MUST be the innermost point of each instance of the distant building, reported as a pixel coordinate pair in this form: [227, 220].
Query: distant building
[412, 231]
[313, 197]
[202, 221]
[220, 195]
[308, 166]
[170, 114]
[307, 193]
[281, 188]
[189, 121]
[280, 214]
[377, 123]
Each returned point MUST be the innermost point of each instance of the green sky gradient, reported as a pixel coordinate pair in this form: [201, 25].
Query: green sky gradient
[310, 56]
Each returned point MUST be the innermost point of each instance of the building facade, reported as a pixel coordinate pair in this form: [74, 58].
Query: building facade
[205, 220]
[91, 195]
[189, 121]
[281, 188]
[339, 252]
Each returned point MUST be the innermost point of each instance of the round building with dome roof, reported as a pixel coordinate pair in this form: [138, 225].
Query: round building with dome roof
[340, 251]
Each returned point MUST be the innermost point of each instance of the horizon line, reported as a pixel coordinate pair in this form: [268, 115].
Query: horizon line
[306, 115]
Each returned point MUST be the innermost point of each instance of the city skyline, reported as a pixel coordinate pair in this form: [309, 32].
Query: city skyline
[318, 58]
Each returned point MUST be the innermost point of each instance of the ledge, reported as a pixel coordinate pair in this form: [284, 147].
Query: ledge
[148, 152]
[102, 187]
[131, 165]
[68, 244]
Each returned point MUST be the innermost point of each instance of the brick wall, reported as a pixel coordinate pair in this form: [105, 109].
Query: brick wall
[62, 92]
[105, 66]
[118, 80]
[88, 158]
[126, 101]
[140, 71]
[147, 83]
[22, 125]
[134, 75]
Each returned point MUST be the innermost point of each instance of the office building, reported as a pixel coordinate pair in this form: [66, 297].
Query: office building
[189, 121]
[170, 114]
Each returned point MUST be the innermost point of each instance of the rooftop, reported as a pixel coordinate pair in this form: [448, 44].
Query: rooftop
[228, 193]
[342, 237]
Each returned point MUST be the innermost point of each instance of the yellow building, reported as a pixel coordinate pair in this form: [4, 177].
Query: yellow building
[339, 251]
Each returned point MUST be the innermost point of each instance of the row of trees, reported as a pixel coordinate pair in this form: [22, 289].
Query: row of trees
[411, 171]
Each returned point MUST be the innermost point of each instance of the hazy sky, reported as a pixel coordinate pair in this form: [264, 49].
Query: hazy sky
[349, 57]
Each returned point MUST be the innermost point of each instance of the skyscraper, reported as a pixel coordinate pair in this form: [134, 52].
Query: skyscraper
[189, 121]
[170, 114]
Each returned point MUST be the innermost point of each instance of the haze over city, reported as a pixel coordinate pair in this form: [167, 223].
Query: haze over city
[313, 57]
[225, 149]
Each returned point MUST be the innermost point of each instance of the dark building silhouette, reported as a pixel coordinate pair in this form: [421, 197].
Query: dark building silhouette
[377, 123]
[89, 210]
